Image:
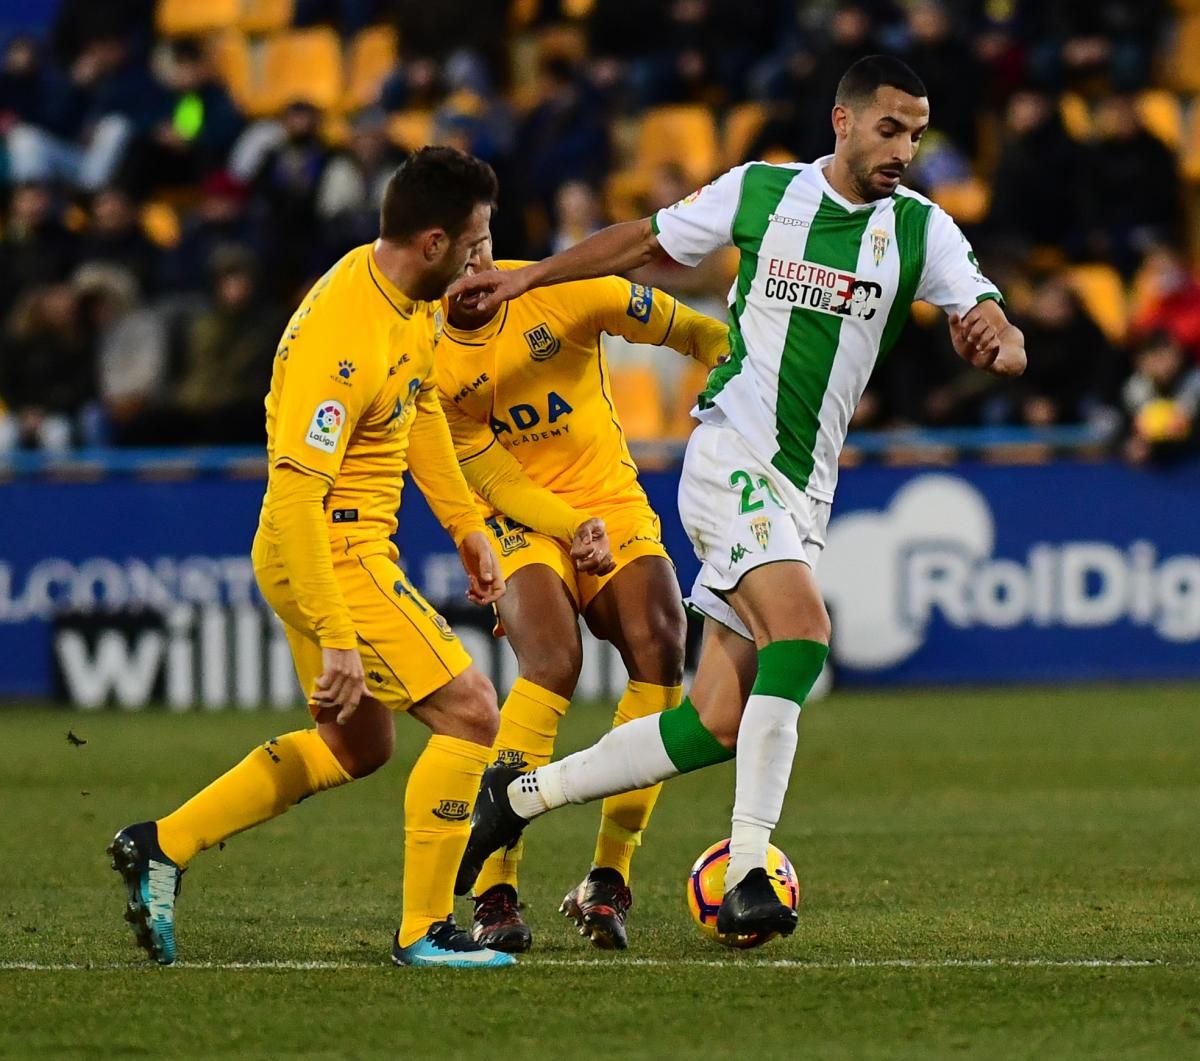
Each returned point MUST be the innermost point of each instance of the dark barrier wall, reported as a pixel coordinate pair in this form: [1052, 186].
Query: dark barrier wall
[976, 574]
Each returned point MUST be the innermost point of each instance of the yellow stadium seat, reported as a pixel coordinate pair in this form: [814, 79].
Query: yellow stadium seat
[230, 55]
[1181, 64]
[372, 57]
[965, 201]
[679, 422]
[742, 125]
[160, 222]
[1189, 152]
[411, 129]
[266, 16]
[185, 18]
[1076, 116]
[683, 134]
[304, 64]
[1162, 115]
[635, 393]
[1103, 296]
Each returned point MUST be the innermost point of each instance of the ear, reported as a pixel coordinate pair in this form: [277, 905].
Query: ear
[433, 243]
[842, 120]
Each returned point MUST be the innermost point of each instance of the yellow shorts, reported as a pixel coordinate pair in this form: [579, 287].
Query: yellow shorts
[633, 531]
[408, 650]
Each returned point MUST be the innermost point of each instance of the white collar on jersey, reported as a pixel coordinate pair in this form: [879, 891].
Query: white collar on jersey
[818, 169]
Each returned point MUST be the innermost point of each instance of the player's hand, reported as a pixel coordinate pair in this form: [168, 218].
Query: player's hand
[486, 584]
[591, 550]
[490, 288]
[342, 683]
[975, 339]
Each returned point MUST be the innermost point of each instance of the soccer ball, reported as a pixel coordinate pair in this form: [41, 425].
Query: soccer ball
[706, 888]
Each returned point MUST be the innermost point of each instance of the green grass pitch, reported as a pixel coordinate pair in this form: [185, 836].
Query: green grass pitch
[963, 855]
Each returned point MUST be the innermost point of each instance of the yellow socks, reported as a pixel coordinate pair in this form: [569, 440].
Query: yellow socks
[623, 817]
[262, 786]
[437, 821]
[528, 725]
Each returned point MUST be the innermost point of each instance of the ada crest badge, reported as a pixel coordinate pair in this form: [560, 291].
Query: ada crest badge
[513, 757]
[443, 626]
[451, 810]
[325, 427]
[761, 526]
[542, 343]
[879, 244]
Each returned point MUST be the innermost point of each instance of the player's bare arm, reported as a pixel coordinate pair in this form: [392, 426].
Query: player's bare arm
[616, 249]
[987, 340]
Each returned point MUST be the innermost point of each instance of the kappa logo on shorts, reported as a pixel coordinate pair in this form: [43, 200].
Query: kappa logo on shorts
[542, 343]
[452, 810]
[737, 554]
[761, 526]
[513, 757]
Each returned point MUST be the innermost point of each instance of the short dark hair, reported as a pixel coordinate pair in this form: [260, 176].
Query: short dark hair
[435, 187]
[859, 84]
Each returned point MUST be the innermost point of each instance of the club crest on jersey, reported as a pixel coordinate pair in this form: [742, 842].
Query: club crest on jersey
[542, 343]
[761, 526]
[451, 810]
[641, 302]
[879, 244]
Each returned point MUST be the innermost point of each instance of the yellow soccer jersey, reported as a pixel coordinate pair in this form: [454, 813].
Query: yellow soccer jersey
[535, 379]
[352, 385]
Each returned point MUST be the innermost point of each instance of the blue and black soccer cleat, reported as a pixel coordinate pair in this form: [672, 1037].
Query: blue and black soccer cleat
[753, 908]
[153, 882]
[447, 944]
[494, 824]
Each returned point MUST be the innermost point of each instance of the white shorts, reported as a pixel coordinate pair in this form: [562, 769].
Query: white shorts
[741, 513]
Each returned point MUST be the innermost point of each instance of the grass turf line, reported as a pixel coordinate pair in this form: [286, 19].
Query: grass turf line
[935, 828]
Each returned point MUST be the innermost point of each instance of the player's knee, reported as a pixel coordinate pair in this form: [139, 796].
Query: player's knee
[554, 666]
[477, 715]
[654, 643]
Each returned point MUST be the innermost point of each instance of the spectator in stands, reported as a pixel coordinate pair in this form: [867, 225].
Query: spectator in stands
[36, 247]
[1028, 208]
[226, 370]
[47, 370]
[349, 16]
[1078, 43]
[351, 189]
[578, 214]
[415, 84]
[190, 126]
[115, 236]
[1131, 195]
[1173, 303]
[949, 71]
[219, 218]
[1162, 401]
[284, 191]
[1076, 370]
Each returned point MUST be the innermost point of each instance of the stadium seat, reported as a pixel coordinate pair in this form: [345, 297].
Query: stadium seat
[1102, 293]
[371, 58]
[266, 16]
[965, 201]
[230, 55]
[410, 129]
[160, 222]
[1162, 115]
[185, 18]
[635, 393]
[683, 134]
[1076, 116]
[678, 412]
[1181, 65]
[303, 64]
[742, 125]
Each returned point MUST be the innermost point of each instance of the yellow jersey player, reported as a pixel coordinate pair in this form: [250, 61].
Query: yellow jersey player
[526, 392]
[353, 403]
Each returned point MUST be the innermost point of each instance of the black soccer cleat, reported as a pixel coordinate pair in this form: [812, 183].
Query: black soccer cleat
[497, 922]
[599, 905]
[752, 908]
[152, 883]
[494, 824]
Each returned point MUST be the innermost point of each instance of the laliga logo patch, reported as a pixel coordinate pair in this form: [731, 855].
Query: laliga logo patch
[325, 428]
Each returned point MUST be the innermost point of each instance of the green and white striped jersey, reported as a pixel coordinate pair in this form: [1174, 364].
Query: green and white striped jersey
[823, 289]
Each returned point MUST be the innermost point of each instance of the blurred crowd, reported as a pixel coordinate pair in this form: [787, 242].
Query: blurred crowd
[175, 173]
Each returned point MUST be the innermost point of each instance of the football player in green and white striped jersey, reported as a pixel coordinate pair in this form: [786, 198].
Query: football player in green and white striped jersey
[832, 255]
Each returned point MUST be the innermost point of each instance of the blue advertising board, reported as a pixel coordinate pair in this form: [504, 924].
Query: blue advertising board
[1067, 571]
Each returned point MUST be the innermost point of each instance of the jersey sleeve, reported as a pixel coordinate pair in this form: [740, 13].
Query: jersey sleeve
[435, 469]
[952, 279]
[317, 406]
[470, 436]
[699, 223]
[644, 314]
